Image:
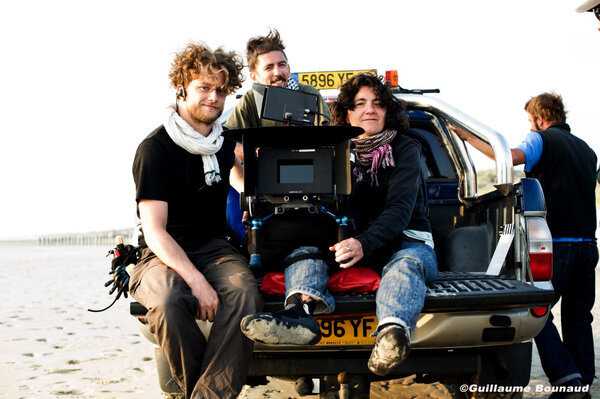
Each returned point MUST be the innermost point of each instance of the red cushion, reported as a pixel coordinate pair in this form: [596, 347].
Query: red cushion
[273, 284]
[353, 279]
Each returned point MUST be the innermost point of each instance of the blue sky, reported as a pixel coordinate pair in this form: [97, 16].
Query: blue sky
[82, 83]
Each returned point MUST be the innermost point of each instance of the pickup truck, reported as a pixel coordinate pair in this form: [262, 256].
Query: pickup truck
[490, 300]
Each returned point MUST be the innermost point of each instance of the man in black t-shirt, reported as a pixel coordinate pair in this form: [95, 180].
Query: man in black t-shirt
[188, 270]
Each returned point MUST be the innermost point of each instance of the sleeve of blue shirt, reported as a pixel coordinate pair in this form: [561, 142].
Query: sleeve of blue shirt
[532, 147]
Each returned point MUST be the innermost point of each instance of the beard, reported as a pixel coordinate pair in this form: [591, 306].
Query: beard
[203, 115]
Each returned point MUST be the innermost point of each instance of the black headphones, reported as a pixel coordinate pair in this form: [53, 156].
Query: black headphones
[181, 93]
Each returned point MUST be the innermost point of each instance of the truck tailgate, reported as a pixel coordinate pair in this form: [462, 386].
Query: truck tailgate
[452, 291]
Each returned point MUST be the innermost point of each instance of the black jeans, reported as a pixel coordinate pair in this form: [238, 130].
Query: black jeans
[574, 281]
[217, 367]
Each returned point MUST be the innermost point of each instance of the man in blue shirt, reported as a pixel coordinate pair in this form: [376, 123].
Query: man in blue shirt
[566, 168]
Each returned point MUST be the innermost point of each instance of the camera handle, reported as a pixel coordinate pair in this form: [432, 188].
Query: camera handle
[342, 228]
[256, 224]
[255, 260]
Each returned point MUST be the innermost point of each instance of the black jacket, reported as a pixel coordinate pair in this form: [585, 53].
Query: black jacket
[382, 213]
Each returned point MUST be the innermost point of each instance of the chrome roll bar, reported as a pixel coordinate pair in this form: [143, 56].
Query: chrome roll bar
[500, 147]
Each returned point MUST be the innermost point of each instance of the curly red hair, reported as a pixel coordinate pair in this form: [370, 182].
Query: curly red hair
[198, 58]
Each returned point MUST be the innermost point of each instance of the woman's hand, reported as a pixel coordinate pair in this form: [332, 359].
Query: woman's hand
[347, 252]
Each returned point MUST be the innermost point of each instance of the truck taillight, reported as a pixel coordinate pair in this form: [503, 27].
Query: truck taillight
[540, 249]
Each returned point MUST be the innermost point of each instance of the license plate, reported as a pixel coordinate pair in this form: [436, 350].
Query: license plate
[329, 80]
[347, 330]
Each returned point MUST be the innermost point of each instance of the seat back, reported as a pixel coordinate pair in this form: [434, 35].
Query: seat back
[469, 248]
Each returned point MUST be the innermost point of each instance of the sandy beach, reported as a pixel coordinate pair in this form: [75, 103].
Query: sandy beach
[52, 347]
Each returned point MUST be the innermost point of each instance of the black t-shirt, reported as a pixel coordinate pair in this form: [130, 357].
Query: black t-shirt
[164, 171]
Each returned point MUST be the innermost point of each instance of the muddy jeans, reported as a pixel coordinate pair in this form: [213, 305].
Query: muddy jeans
[213, 368]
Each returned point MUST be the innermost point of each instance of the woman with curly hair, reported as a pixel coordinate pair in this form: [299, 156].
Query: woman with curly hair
[391, 229]
[390, 214]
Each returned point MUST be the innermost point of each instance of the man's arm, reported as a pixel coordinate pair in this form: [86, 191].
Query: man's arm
[245, 114]
[153, 215]
[518, 156]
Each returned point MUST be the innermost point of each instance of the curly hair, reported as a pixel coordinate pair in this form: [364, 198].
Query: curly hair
[548, 106]
[395, 118]
[198, 58]
[260, 45]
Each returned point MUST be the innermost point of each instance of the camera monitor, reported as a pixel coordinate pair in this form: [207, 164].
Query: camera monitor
[285, 105]
[295, 171]
[296, 159]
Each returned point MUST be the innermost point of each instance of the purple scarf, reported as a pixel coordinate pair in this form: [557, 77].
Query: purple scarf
[372, 153]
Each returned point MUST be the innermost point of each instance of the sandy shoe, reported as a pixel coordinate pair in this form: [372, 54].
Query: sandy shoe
[392, 346]
[290, 326]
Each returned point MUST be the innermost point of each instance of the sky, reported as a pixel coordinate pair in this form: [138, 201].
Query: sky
[83, 82]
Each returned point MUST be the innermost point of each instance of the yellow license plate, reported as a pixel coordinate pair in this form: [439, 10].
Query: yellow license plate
[329, 80]
[347, 329]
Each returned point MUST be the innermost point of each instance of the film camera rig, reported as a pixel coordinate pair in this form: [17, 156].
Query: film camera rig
[294, 167]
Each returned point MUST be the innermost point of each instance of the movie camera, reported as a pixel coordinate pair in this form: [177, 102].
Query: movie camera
[298, 167]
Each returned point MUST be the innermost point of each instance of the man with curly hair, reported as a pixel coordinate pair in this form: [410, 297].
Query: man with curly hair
[188, 270]
[268, 65]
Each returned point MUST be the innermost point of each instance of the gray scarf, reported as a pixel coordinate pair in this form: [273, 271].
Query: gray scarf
[195, 143]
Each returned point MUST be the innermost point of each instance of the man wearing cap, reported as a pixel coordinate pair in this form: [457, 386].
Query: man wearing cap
[591, 6]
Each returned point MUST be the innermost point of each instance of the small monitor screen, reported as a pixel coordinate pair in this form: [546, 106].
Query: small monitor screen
[293, 171]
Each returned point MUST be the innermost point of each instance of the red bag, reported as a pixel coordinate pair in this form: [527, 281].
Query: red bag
[273, 284]
[354, 279]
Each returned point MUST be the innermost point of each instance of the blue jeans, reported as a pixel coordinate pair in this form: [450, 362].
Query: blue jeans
[574, 280]
[309, 277]
[400, 296]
